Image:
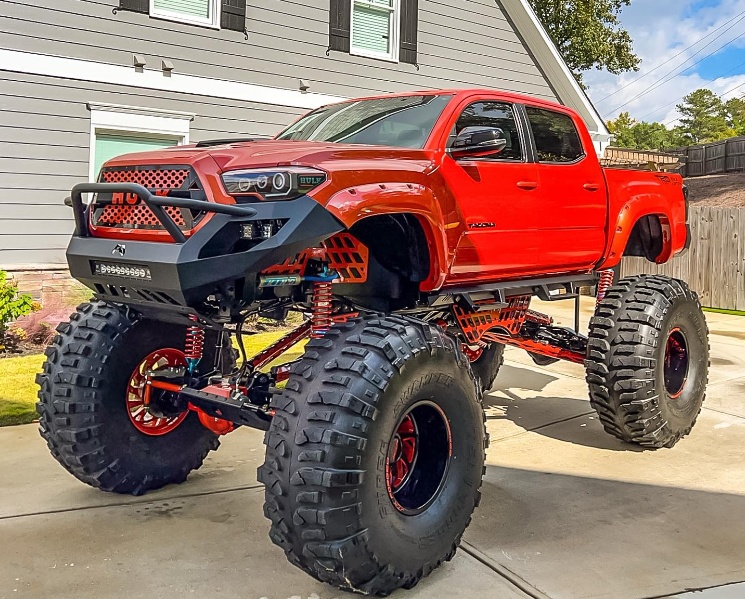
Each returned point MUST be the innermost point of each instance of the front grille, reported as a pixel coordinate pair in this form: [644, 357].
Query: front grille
[161, 180]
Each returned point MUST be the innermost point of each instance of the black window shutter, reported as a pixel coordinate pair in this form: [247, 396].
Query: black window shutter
[142, 6]
[409, 26]
[340, 21]
[233, 15]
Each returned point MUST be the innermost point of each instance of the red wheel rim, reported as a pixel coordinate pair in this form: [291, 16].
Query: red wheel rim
[676, 363]
[402, 453]
[418, 459]
[137, 410]
[472, 352]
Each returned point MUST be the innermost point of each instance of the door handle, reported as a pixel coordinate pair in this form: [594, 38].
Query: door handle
[591, 186]
[529, 185]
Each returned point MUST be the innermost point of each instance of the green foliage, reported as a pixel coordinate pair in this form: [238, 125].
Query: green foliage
[630, 133]
[704, 117]
[735, 109]
[588, 34]
[12, 305]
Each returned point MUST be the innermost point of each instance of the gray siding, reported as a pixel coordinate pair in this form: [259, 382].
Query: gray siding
[44, 123]
[44, 151]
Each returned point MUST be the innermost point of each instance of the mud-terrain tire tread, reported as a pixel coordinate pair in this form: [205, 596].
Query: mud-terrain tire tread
[624, 335]
[72, 410]
[313, 519]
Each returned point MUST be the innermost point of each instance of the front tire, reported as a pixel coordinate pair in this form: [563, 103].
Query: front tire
[648, 359]
[375, 455]
[85, 391]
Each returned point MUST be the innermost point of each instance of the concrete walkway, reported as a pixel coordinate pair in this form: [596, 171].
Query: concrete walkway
[567, 512]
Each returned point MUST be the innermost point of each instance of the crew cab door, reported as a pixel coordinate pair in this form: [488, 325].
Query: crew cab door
[496, 196]
[573, 193]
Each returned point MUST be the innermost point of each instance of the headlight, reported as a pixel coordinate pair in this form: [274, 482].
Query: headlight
[273, 184]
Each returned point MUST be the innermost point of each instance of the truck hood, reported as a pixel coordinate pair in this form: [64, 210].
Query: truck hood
[272, 153]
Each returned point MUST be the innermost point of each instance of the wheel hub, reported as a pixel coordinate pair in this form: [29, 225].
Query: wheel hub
[419, 454]
[146, 408]
[676, 363]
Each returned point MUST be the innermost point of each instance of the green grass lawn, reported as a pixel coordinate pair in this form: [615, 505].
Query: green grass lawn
[18, 387]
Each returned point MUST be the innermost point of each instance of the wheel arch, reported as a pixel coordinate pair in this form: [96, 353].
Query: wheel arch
[645, 235]
[648, 237]
[409, 203]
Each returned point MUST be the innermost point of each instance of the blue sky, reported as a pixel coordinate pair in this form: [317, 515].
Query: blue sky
[684, 45]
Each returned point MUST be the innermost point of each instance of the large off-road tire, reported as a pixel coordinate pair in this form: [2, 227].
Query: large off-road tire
[486, 366]
[83, 395]
[375, 455]
[648, 360]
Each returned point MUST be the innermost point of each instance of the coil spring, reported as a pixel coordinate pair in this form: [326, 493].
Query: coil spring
[605, 283]
[321, 304]
[194, 345]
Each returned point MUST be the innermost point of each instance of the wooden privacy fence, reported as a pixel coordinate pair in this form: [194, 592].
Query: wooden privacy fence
[714, 266]
[726, 156]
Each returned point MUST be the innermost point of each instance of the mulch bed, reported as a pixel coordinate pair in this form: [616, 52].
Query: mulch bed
[724, 191]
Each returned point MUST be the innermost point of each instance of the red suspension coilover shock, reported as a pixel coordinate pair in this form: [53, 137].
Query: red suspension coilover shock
[194, 344]
[322, 307]
[605, 283]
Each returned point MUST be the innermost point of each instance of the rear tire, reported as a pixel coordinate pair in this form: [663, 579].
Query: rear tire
[339, 499]
[83, 410]
[648, 359]
[486, 366]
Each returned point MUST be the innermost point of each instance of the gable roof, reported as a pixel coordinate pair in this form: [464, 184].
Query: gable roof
[545, 54]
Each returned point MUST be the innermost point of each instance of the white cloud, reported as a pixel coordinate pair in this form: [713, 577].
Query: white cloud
[660, 30]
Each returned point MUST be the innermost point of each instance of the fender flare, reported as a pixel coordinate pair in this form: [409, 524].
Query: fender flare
[620, 233]
[354, 204]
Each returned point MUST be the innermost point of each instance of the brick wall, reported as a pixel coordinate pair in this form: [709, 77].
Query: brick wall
[49, 286]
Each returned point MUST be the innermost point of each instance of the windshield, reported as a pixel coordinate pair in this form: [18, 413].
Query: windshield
[403, 122]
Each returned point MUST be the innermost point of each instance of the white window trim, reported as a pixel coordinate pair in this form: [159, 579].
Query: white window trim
[395, 28]
[167, 15]
[134, 120]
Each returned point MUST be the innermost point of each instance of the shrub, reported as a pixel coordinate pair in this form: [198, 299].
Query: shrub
[13, 305]
[39, 326]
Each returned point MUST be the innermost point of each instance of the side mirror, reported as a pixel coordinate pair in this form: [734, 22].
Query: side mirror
[478, 141]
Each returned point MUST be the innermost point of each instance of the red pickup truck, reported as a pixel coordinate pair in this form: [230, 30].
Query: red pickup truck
[412, 231]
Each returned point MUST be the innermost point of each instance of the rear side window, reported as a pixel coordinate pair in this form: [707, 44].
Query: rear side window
[492, 114]
[556, 136]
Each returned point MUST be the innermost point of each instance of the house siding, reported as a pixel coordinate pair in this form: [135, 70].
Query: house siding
[45, 125]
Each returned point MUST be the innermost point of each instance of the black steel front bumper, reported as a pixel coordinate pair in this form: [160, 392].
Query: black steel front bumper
[184, 273]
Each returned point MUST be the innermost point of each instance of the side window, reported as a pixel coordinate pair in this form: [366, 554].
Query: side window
[493, 114]
[556, 136]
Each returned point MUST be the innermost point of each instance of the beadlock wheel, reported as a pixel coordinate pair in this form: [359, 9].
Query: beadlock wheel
[138, 404]
[418, 458]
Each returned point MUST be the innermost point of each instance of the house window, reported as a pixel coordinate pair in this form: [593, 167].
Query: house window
[375, 28]
[195, 12]
[219, 14]
[117, 130]
[383, 29]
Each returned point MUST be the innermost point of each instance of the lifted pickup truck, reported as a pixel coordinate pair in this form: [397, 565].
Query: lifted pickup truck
[412, 230]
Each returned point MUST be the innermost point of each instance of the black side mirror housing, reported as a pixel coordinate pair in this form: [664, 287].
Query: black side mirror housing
[478, 141]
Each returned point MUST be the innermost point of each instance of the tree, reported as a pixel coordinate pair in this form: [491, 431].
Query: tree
[704, 117]
[736, 115]
[588, 34]
[630, 133]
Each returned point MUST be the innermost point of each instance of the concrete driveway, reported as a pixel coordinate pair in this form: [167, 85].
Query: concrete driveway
[567, 512]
